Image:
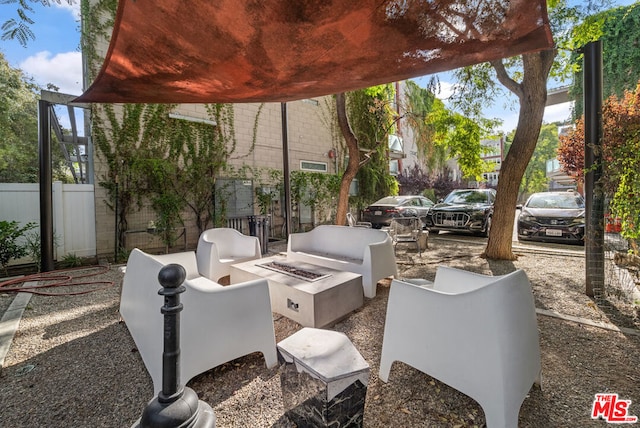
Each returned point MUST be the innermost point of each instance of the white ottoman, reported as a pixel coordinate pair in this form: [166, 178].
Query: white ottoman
[324, 379]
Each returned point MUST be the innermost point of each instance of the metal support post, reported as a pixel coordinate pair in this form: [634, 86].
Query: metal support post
[593, 192]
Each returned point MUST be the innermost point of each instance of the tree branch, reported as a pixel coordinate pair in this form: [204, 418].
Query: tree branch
[506, 80]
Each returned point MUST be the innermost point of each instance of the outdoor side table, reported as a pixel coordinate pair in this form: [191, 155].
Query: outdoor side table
[324, 379]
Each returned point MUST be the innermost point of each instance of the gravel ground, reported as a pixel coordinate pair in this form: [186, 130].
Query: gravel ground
[72, 363]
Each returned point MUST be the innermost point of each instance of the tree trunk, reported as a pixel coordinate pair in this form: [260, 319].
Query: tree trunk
[354, 159]
[532, 94]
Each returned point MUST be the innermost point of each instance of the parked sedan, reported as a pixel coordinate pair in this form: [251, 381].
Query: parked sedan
[463, 210]
[381, 212]
[552, 217]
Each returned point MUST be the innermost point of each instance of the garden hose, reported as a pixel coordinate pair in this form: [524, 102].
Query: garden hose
[58, 278]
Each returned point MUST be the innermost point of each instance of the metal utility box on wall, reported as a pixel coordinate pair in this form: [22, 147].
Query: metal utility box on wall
[235, 195]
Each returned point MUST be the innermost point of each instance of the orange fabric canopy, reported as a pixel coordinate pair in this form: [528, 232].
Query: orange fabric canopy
[229, 51]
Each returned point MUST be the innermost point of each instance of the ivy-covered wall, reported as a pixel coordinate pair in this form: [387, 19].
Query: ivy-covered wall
[620, 55]
[252, 150]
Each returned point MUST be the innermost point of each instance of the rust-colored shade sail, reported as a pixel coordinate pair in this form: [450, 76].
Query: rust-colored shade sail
[229, 51]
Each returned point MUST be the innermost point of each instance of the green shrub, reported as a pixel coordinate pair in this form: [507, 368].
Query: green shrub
[10, 249]
[71, 260]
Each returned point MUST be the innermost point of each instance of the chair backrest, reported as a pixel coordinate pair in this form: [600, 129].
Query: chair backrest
[452, 280]
[408, 227]
[229, 242]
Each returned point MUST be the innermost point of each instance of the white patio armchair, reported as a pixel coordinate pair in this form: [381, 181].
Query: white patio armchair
[218, 324]
[221, 247]
[476, 333]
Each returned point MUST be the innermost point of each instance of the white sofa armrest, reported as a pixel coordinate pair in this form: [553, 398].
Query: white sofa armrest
[300, 241]
[382, 257]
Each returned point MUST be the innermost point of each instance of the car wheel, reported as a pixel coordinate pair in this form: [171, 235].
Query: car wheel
[433, 231]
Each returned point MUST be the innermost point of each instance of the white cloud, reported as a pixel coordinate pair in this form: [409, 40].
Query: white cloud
[554, 113]
[74, 7]
[446, 90]
[63, 70]
[558, 112]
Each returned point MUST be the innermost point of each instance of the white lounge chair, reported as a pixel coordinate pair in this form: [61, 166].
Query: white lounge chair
[218, 324]
[221, 247]
[476, 333]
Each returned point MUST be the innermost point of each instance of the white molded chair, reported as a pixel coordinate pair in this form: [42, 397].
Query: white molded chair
[476, 333]
[222, 247]
[218, 324]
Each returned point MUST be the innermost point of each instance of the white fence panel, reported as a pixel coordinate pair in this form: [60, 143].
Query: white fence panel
[73, 214]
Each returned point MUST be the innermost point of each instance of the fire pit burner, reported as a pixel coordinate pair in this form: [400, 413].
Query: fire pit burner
[287, 269]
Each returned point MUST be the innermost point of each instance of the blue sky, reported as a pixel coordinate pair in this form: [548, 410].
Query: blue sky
[54, 57]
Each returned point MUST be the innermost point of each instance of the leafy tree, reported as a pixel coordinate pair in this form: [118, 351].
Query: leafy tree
[524, 76]
[621, 166]
[418, 105]
[414, 180]
[535, 176]
[365, 119]
[19, 129]
[443, 185]
[459, 136]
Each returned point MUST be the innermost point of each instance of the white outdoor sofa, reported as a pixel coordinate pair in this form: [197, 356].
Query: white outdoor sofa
[476, 333]
[218, 324]
[368, 252]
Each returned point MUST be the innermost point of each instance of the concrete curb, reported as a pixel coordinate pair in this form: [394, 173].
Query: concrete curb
[10, 322]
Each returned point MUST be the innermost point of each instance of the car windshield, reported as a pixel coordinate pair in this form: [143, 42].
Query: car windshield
[557, 201]
[466, 197]
[389, 200]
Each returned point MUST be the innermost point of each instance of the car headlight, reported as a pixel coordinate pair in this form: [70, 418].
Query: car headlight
[527, 217]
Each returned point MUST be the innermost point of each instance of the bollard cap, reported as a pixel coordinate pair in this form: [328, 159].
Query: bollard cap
[172, 275]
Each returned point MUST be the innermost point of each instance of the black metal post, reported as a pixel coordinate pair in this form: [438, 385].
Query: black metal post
[593, 192]
[175, 405]
[116, 243]
[285, 162]
[46, 187]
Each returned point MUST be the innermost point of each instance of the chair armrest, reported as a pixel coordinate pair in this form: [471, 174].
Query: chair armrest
[381, 257]
[247, 246]
[186, 259]
[206, 253]
[300, 241]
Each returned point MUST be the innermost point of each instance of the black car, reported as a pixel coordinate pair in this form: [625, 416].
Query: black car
[463, 210]
[381, 212]
[552, 217]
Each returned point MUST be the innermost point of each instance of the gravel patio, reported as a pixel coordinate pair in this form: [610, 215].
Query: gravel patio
[72, 363]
